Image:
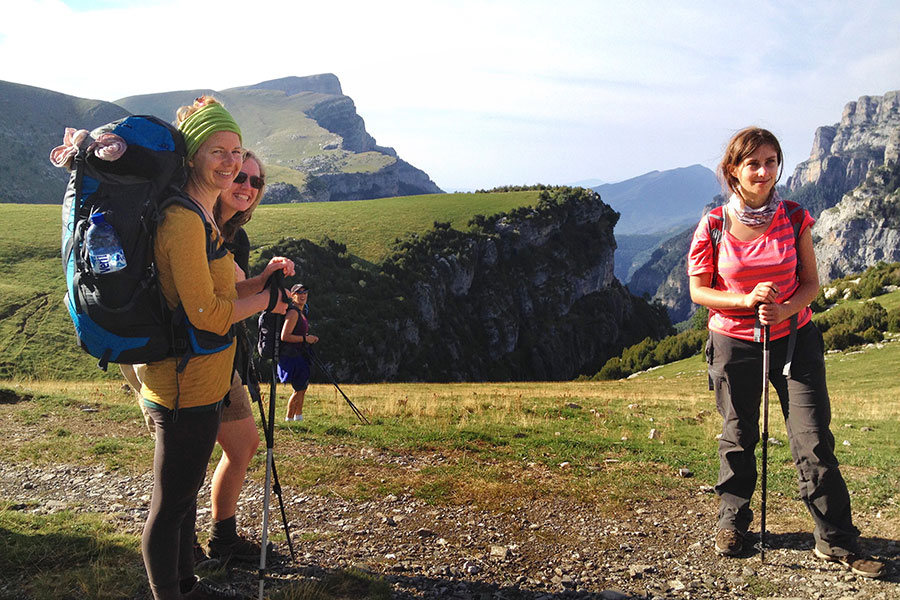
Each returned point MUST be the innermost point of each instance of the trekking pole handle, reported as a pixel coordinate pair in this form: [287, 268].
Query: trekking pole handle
[275, 284]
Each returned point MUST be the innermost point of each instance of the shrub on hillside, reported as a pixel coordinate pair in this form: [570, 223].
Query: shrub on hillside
[841, 337]
[699, 319]
[844, 327]
[871, 315]
[676, 347]
[876, 278]
[612, 370]
[819, 303]
[872, 335]
[651, 353]
[893, 320]
[871, 283]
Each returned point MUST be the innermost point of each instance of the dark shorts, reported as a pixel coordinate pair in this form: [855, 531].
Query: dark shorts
[294, 369]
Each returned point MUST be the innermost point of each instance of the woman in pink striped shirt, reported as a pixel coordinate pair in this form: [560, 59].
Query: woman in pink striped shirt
[762, 273]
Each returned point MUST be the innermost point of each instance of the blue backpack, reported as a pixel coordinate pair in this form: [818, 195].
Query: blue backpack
[122, 317]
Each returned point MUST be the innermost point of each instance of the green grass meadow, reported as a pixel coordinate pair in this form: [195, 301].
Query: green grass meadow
[369, 227]
[501, 444]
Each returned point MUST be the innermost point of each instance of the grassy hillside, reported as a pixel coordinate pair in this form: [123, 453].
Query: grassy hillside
[32, 122]
[369, 227]
[36, 335]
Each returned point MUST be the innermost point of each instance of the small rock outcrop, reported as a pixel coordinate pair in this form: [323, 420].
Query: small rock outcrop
[397, 179]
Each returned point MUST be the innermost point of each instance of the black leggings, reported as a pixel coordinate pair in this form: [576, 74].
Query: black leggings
[183, 448]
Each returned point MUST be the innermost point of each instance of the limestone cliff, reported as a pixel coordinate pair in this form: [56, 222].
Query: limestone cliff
[867, 136]
[864, 227]
[310, 134]
[528, 295]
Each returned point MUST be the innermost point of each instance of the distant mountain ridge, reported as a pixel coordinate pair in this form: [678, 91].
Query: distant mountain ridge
[660, 200]
[314, 143]
[654, 206]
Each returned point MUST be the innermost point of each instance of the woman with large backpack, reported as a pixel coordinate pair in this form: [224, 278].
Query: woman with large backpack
[758, 277]
[185, 398]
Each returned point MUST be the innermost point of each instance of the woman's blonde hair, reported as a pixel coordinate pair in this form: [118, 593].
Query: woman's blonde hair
[241, 218]
[744, 143]
[184, 112]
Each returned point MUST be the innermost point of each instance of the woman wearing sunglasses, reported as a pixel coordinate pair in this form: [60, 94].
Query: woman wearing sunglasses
[238, 435]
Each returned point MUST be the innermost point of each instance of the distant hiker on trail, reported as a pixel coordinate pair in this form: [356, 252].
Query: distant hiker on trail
[186, 404]
[762, 274]
[293, 365]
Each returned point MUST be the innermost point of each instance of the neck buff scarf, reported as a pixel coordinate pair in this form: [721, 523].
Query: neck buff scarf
[754, 217]
[208, 120]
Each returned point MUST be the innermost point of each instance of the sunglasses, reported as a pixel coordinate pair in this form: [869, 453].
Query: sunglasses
[255, 182]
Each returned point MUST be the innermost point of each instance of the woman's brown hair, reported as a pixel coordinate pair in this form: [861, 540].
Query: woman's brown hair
[744, 143]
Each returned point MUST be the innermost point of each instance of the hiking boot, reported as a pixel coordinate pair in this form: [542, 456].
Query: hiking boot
[205, 589]
[729, 542]
[238, 550]
[858, 565]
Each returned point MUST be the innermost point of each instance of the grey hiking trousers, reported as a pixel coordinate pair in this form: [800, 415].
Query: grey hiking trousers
[735, 370]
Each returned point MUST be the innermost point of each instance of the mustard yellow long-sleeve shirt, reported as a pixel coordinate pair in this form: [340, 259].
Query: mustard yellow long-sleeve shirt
[207, 292]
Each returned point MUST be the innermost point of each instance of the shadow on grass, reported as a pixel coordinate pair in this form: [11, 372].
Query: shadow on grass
[65, 557]
[8, 396]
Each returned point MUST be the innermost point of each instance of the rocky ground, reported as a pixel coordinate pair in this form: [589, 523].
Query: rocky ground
[549, 550]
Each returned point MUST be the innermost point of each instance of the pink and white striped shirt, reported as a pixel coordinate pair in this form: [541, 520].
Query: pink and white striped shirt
[770, 257]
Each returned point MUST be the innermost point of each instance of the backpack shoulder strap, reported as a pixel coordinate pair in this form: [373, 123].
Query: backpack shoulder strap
[715, 222]
[214, 251]
[796, 213]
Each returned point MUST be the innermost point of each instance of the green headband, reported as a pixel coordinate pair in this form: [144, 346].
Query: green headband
[210, 119]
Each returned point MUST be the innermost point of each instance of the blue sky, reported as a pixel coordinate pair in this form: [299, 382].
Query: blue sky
[485, 93]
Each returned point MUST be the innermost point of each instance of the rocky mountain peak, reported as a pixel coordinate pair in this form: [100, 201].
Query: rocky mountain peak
[323, 83]
[843, 154]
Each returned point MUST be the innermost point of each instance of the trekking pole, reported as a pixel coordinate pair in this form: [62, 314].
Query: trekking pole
[765, 437]
[253, 387]
[321, 366]
[275, 283]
